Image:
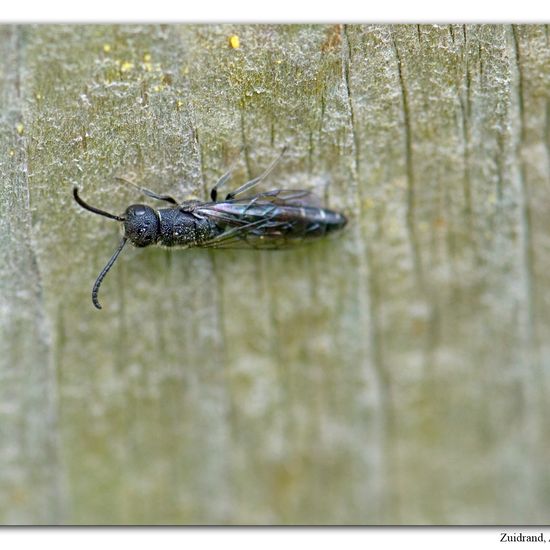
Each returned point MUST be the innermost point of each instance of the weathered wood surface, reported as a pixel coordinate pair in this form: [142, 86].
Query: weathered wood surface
[398, 374]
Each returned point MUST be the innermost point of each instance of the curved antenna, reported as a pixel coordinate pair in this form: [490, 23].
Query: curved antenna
[104, 271]
[93, 208]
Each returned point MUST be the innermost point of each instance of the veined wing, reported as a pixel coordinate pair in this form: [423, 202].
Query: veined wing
[275, 219]
[288, 197]
[243, 238]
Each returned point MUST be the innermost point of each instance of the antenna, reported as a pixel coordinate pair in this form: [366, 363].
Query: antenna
[93, 208]
[104, 272]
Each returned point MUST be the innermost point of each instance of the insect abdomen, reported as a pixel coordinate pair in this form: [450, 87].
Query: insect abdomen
[322, 221]
[290, 221]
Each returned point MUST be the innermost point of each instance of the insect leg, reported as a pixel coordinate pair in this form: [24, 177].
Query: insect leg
[224, 178]
[235, 233]
[148, 192]
[219, 183]
[249, 184]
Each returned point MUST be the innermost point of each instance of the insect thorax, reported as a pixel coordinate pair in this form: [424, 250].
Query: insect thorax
[180, 228]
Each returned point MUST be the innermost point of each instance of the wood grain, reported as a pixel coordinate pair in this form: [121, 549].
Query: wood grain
[396, 375]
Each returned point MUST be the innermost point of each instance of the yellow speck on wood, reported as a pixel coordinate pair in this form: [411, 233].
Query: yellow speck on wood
[20, 128]
[106, 48]
[424, 227]
[368, 203]
[126, 66]
[234, 42]
[147, 57]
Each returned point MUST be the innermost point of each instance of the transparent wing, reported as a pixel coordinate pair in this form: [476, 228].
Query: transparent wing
[269, 220]
[248, 239]
[282, 197]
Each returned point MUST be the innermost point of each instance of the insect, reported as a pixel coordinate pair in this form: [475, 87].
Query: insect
[274, 219]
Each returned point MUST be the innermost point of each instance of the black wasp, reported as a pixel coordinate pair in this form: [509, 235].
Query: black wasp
[275, 219]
